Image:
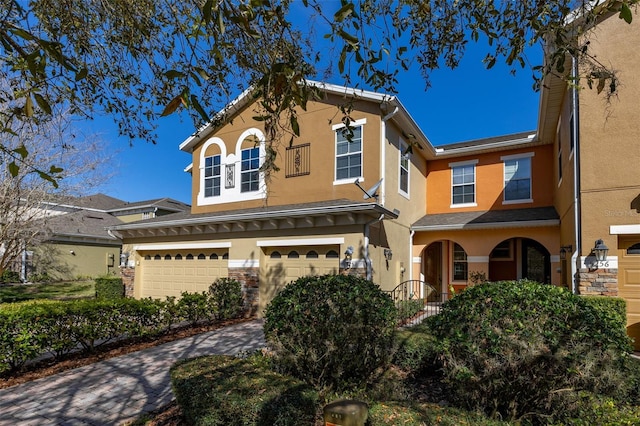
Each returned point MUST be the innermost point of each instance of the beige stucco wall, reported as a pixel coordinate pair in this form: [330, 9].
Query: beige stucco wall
[86, 260]
[609, 137]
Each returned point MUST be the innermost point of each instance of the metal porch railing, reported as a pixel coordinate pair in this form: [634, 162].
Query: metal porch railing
[416, 300]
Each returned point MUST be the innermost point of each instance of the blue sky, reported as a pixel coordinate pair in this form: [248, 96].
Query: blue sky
[467, 103]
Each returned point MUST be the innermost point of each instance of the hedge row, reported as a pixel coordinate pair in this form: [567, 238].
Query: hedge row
[34, 329]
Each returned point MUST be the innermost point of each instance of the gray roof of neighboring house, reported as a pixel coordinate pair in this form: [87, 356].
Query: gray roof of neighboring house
[82, 224]
[333, 206]
[97, 201]
[539, 216]
[161, 203]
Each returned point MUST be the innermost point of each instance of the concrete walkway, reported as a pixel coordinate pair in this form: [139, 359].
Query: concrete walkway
[118, 389]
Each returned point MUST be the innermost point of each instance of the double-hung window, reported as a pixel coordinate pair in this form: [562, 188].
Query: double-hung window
[463, 183]
[460, 266]
[250, 170]
[349, 151]
[212, 176]
[403, 178]
[517, 178]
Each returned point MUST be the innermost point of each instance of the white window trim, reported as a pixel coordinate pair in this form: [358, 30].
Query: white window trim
[402, 145]
[453, 261]
[475, 184]
[506, 158]
[231, 195]
[361, 122]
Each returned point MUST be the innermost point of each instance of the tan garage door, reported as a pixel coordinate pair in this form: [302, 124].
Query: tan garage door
[629, 283]
[169, 273]
[285, 264]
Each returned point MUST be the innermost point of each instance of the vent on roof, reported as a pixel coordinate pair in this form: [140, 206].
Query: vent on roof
[93, 217]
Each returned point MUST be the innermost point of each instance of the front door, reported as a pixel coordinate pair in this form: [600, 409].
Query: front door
[433, 266]
[536, 262]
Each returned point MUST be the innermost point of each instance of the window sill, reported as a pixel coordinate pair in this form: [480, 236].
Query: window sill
[460, 206]
[525, 201]
[348, 181]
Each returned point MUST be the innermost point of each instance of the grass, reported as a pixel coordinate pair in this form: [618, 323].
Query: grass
[10, 293]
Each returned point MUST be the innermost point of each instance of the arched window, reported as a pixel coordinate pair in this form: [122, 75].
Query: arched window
[332, 254]
[201, 256]
[189, 256]
[157, 257]
[147, 257]
[167, 257]
[312, 255]
[634, 249]
[275, 255]
[213, 256]
[225, 256]
[460, 271]
[178, 257]
[293, 255]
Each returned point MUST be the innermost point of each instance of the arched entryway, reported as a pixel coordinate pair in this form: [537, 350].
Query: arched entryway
[520, 258]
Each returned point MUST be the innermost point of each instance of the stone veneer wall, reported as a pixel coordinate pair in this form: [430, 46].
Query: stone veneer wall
[128, 275]
[249, 278]
[599, 282]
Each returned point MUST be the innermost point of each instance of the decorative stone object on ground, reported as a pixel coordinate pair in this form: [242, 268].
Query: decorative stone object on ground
[345, 412]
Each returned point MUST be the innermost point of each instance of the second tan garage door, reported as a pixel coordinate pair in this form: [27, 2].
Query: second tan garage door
[285, 264]
[629, 283]
[169, 273]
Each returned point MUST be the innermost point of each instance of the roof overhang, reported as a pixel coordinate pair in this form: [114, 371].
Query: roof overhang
[493, 219]
[265, 219]
[488, 225]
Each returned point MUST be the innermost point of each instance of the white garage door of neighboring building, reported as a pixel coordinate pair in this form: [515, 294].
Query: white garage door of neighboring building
[629, 283]
[169, 273]
[285, 264]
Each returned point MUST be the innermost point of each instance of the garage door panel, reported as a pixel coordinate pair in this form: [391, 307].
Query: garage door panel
[161, 277]
[629, 284]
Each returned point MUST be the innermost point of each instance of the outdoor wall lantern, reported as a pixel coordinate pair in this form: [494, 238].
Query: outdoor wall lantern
[388, 254]
[348, 255]
[564, 250]
[600, 250]
[124, 258]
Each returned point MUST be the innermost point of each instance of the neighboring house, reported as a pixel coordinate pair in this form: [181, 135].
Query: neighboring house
[75, 241]
[530, 205]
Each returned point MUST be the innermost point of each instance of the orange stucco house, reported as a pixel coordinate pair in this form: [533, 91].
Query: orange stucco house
[528, 205]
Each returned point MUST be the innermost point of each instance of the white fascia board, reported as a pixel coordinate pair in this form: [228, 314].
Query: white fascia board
[624, 229]
[182, 246]
[189, 168]
[301, 242]
[498, 225]
[442, 151]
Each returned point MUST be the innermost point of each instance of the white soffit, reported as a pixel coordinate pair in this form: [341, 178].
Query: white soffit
[182, 246]
[624, 229]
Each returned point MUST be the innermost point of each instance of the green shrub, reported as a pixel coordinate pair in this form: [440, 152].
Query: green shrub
[407, 309]
[516, 348]
[109, 287]
[332, 330]
[9, 277]
[195, 307]
[40, 278]
[415, 349]
[224, 390]
[226, 295]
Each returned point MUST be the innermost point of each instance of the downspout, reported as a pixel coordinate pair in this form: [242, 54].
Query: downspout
[367, 259]
[383, 153]
[575, 257]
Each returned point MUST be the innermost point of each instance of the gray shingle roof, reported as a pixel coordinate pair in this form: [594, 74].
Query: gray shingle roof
[540, 216]
[163, 203]
[82, 223]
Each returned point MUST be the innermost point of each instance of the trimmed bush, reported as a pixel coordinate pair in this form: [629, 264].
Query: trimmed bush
[226, 295]
[224, 390]
[331, 331]
[415, 349]
[109, 288]
[514, 349]
[195, 307]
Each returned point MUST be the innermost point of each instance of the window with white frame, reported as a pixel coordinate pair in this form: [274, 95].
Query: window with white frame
[463, 183]
[460, 266]
[517, 178]
[349, 151]
[403, 178]
[250, 170]
[212, 176]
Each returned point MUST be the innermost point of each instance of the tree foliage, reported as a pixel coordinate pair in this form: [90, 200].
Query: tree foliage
[140, 60]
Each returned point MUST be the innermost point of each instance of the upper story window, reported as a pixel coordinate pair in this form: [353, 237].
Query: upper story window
[212, 176]
[463, 183]
[147, 215]
[403, 178]
[349, 150]
[250, 170]
[517, 178]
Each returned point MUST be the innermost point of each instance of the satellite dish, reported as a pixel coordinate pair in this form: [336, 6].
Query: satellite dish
[371, 192]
